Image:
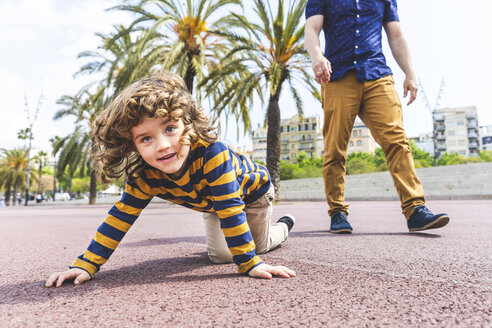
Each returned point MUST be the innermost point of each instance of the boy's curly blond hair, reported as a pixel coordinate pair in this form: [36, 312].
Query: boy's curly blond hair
[114, 151]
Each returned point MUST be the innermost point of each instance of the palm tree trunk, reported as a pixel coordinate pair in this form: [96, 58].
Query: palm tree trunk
[40, 177]
[7, 196]
[273, 140]
[93, 188]
[190, 76]
[14, 196]
[70, 183]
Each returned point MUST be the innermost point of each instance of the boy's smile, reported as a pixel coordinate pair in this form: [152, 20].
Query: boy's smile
[157, 141]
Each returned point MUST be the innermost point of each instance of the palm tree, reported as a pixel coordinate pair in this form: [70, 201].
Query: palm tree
[119, 59]
[13, 172]
[265, 56]
[177, 38]
[40, 158]
[73, 153]
[75, 148]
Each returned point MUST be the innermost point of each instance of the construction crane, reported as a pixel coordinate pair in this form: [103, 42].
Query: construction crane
[432, 110]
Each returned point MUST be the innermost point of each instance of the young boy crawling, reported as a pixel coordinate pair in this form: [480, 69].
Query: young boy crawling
[156, 134]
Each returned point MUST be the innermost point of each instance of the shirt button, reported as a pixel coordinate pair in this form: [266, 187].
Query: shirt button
[357, 31]
[355, 61]
[356, 47]
[358, 14]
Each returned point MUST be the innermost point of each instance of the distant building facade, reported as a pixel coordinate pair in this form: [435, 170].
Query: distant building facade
[456, 131]
[424, 142]
[300, 134]
[259, 139]
[361, 140]
[486, 137]
[305, 134]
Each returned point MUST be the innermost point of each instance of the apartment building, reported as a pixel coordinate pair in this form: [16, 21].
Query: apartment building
[361, 140]
[486, 137]
[259, 139]
[300, 134]
[425, 142]
[304, 134]
[456, 131]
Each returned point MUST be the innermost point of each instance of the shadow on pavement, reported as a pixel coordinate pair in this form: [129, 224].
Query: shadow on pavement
[166, 241]
[326, 233]
[148, 272]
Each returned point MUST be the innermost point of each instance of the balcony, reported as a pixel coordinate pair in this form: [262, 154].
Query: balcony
[473, 145]
[440, 127]
[441, 136]
[472, 124]
[439, 117]
[441, 146]
[471, 116]
[472, 135]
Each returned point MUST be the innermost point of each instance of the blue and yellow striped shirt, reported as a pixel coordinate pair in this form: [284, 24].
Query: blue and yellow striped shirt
[214, 179]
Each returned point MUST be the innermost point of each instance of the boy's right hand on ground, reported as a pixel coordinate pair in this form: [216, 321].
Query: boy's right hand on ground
[77, 275]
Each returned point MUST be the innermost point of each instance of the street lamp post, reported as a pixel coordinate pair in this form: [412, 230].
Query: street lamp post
[31, 124]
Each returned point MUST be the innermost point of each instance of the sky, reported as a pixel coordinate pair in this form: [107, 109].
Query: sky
[40, 41]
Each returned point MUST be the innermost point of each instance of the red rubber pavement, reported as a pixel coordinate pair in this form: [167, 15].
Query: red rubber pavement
[160, 275]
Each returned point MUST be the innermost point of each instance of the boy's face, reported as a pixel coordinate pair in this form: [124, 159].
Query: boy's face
[157, 141]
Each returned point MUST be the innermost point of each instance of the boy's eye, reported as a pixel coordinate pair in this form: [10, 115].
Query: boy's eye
[146, 139]
[170, 128]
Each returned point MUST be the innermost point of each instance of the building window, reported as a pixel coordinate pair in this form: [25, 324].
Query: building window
[281, 129]
[314, 126]
[359, 143]
[451, 133]
[288, 128]
[461, 123]
[462, 152]
[351, 144]
[306, 126]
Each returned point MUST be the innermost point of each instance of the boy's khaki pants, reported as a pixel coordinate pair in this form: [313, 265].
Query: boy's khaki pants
[377, 104]
[266, 236]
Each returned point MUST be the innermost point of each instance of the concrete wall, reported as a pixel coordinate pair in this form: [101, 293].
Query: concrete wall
[467, 181]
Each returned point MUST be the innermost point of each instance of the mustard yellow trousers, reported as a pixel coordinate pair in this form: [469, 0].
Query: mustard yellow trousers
[378, 105]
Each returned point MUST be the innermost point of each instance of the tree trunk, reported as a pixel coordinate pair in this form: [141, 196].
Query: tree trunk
[273, 140]
[14, 196]
[70, 181]
[93, 188]
[190, 76]
[40, 178]
[7, 196]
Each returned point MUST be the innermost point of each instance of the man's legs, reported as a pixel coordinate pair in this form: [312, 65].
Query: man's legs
[341, 102]
[381, 112]
[266, 236]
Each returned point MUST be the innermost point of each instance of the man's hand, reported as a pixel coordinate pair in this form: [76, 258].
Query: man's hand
[77, 275]
[322, 69]
[266, 271]
[410, 84]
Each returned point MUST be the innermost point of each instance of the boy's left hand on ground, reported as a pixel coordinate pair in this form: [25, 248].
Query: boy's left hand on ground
[266, 271]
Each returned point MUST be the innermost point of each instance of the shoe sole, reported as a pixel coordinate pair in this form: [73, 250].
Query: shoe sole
[345, 231]
[439, 223]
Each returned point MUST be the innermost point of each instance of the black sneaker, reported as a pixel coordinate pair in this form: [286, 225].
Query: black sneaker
[287, 219]
[423, 219]
[339, 223]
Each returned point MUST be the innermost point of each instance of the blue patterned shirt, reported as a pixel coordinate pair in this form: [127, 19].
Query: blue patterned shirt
[352, 31]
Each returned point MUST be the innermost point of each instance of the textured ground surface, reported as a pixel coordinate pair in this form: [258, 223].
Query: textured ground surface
[160, 275]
